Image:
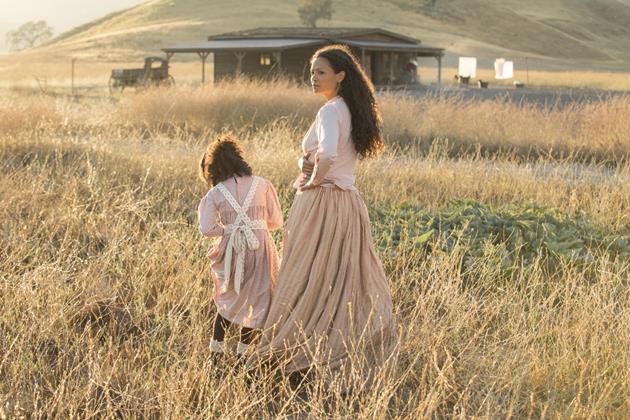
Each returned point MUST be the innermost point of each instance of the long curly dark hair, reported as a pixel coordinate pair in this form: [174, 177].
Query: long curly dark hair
[222, 160]
[358, 92]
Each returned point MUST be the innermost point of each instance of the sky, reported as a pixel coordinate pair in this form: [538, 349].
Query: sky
[60, 14]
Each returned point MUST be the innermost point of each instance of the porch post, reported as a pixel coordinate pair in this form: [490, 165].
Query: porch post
[203, 55]
[239, 63]
[278, 57]
[391, 68]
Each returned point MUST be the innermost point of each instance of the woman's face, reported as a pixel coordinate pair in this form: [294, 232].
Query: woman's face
[324, 80]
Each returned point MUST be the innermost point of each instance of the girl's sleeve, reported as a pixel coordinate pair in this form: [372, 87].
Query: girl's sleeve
[274, 211]
[208, 217]
[328, 136]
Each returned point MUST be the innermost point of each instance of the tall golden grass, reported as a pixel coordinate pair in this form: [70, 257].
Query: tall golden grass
[105, 295]
[595, 131]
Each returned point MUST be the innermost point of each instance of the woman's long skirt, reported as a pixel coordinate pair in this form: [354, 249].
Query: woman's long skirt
[332, 307]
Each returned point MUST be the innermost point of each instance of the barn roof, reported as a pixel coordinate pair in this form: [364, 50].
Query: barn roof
[395, 46]
[270, 39]
[241, 45]
[317, 33]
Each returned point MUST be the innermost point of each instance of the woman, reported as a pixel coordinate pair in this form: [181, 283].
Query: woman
[332, 307]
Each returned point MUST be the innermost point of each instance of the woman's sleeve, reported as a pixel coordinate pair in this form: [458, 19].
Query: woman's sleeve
[208, 217]
[274, 211]
[328, 138]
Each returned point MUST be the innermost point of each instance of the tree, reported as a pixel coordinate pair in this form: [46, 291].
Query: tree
[29, 35]
[313, 10]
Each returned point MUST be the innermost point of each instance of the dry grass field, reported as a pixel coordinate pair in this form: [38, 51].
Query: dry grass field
[540, 78]
[515, 305]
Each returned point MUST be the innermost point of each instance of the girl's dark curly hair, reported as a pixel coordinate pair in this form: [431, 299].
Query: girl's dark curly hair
[222, 160]
[358, 92]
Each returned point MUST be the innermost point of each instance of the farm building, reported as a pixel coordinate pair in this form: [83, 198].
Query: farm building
[389, 58]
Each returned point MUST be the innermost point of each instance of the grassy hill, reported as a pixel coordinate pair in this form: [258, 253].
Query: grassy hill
[580, 32]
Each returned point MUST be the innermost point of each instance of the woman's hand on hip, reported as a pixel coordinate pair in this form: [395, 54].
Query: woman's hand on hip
[306, 166]
[307, 186]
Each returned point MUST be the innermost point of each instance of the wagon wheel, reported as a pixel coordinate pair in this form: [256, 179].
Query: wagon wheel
[169, 81]
[115, 85]
[144, 83]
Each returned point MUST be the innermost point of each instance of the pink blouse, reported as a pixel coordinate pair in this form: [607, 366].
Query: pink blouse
[329, 143]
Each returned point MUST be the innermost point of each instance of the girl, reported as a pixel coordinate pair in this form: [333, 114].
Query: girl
[241, 209]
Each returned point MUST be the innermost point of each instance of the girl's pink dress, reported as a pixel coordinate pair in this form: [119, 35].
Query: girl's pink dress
[242, 291]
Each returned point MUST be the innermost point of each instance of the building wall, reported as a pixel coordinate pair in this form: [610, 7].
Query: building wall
[224, 65]
[295, 63]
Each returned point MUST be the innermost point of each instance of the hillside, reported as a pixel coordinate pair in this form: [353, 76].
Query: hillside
[581, 32]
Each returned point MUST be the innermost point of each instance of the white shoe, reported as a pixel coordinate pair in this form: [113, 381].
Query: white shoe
[217, 346]
[241, 348]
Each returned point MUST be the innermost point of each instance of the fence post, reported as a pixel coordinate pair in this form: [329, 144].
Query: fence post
[73, 61]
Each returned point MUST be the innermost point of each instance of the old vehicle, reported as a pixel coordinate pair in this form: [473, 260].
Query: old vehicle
[154, 73]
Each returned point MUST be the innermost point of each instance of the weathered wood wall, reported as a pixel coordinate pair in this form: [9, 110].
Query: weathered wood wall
[295, 63]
